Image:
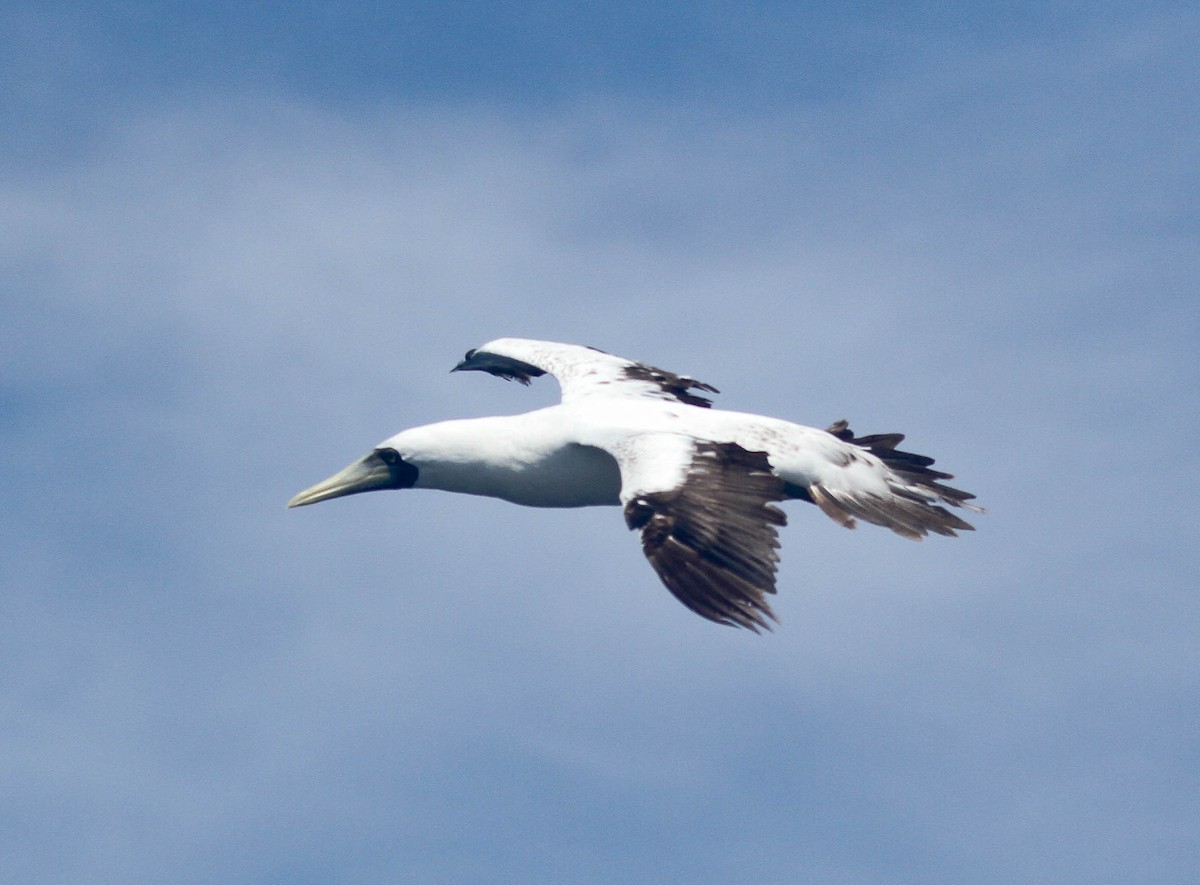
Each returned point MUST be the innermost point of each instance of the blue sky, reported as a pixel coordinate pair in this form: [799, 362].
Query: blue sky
[241, 246]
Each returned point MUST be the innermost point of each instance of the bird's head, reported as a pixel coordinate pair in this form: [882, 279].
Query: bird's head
[382, 468]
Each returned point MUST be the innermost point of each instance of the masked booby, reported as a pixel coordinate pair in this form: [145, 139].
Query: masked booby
[700, 484]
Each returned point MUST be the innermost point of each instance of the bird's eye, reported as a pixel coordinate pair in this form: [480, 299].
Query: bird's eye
[389, 456]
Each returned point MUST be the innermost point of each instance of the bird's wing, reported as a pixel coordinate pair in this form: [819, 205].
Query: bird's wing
[708, 522]
[583, 372]
[869, 478]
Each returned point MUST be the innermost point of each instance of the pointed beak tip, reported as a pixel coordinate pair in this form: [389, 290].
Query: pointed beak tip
[318, 493]
[301, 499]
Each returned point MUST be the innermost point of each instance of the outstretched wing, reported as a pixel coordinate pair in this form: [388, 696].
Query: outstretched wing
[582, 371]
[708, 521]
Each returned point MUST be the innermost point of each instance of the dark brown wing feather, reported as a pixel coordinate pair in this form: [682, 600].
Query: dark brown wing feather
[713, 540]
[672, 386]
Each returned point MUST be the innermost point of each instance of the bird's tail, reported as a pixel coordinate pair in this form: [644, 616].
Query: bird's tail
[913, 507]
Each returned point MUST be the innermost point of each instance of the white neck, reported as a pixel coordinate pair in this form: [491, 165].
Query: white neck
[528, 459]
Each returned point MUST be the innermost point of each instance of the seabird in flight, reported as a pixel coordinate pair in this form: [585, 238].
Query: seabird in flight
[700, 484]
